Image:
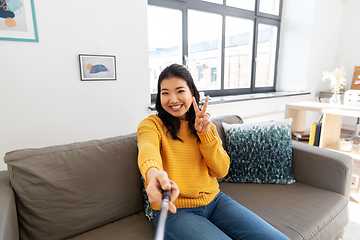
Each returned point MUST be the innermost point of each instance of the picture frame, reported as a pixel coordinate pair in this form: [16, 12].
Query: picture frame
[18, 21]
[355, 83]
[97, 67]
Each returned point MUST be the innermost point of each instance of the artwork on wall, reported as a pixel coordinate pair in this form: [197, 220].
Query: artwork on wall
[355, 84]
[18, 21]
[97, 67]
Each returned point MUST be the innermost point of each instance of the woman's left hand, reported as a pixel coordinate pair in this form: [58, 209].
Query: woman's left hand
[202, 120]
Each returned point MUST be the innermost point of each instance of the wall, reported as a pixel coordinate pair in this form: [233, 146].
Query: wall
[348, 49]
[295, 43]
[325, 38]
[43, 102]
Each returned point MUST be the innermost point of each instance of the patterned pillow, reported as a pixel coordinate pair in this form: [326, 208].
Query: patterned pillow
[148, 210]
[260, 152]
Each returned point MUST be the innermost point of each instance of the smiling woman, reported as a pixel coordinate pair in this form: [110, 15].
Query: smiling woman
[183, 79]
[176, 97]
[180, 150]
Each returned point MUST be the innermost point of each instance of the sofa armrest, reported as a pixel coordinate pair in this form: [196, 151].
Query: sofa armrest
[9, 229]
[322, 168]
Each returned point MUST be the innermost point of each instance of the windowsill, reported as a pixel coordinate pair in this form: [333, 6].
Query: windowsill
[247, 97]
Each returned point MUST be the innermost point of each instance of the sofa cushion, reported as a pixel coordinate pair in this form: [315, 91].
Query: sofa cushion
[147, 207]
[8, 215]
[65, 190]
[134, 227]
[260, 152]
[230, 119]
[298, 210]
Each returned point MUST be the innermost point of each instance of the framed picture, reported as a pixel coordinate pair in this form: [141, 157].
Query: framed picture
[97, 67]
[18, 21]
[355, 84]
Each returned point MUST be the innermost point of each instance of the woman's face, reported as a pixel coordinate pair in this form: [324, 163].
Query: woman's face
[175, 96]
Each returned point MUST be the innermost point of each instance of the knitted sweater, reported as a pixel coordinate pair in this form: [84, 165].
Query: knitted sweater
[192, 165]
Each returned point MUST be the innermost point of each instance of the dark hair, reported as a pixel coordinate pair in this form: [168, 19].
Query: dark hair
[173, 123]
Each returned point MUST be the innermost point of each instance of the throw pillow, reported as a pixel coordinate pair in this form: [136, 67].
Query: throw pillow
[260, 152]
[64, 190]
[148, 210]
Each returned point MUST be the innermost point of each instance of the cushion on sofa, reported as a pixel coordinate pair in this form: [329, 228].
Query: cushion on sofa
[134, 227]
[260, 152]
[298, 210]
[230, 119]
[62, 191]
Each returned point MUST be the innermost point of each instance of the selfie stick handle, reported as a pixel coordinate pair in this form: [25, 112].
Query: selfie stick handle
[163, 214]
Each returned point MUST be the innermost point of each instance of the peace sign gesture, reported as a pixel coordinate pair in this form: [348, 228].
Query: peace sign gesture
[202, 120]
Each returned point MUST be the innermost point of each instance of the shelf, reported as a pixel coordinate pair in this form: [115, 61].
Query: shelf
[335, 146]
[342, 110]
[353, 153]
[331, 123]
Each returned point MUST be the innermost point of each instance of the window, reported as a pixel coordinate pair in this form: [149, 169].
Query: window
[265, 56]
[204, 47]
[229, 46]
[270, 6]
[239, 39]
[213, 74]
[244, 4]
[165, 47]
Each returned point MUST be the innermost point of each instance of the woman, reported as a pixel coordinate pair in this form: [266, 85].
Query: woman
[179, 149]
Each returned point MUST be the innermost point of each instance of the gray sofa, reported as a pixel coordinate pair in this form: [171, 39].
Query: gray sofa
[92, 190]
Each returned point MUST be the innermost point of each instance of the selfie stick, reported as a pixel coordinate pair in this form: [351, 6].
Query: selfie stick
[163, 214]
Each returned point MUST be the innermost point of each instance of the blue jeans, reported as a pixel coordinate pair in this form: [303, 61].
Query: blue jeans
[223, 218]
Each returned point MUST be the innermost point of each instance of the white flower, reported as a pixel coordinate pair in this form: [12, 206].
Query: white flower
[337, 79]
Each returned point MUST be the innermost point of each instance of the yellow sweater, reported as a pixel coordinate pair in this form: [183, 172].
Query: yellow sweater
[193, 166]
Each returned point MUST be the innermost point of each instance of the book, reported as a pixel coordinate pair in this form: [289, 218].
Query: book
[305, 139]
[312, 134]
[301, 134]
[317, 134]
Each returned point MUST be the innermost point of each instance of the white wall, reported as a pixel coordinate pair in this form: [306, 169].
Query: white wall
[43, 102]
[310, 33]
[325, 37]
[295, 43]
[349, 50]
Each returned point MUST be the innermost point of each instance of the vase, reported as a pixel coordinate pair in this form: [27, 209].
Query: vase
[335, 100]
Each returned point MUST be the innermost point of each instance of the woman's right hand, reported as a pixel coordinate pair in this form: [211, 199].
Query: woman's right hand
[159, 181]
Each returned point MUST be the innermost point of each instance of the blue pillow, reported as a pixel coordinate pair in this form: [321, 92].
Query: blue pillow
[260, 152]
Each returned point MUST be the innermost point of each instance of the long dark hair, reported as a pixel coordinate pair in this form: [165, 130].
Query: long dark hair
[173, 123]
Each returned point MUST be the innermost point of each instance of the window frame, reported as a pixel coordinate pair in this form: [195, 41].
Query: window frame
[223, 10]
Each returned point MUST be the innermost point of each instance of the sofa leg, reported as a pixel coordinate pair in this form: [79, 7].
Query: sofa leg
[340, 235]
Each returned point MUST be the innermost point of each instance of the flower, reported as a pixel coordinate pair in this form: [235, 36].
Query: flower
[337, 79]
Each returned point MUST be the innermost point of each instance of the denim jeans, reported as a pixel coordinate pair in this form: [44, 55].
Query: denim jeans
[223, 218]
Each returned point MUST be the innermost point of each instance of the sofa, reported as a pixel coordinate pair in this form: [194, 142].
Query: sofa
[92, 190]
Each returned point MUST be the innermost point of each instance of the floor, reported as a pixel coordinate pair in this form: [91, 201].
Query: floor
[352, 230]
